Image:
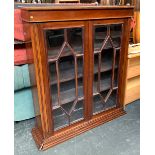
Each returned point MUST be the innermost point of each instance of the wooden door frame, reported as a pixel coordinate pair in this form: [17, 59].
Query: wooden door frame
[123, 55]
[47, 117]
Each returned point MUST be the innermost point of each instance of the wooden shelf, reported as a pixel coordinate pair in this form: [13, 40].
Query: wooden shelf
[102, 35]
[68, 74]
[69, 95]
[52, 53]
[66, 70]
[98, 45]
[60, 119]
[99, 35]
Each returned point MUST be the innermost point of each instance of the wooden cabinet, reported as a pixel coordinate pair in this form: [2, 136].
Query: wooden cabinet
[132, 91]
[79, 66]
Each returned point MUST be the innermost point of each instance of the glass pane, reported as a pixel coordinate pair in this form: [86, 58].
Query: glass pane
[65, 57]
[100, 106]
[107, 42]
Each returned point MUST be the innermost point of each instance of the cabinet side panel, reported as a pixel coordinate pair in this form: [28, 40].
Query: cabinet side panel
[35, 95]
[29, 54]
[42, 78]
[123, 62]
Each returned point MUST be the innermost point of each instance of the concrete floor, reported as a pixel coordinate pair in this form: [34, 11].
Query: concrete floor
[118, 137]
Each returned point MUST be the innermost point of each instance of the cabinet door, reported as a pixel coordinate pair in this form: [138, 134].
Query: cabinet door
[65, 53]
[106, 51]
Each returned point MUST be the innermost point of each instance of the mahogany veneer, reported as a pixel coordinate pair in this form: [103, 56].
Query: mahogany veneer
[79, 67]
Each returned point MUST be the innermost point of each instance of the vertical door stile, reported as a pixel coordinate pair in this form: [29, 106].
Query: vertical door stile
[88, 61]
[91, 66]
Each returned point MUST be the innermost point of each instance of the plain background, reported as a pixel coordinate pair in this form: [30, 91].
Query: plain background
[147, 77]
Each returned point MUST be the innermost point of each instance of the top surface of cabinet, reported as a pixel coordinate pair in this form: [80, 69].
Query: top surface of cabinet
[32, 8]
[66, 13]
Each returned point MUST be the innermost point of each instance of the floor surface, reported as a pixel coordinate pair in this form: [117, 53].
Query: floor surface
[118, 137]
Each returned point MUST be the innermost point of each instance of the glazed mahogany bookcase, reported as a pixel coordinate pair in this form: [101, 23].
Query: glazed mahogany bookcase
[78, 67]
